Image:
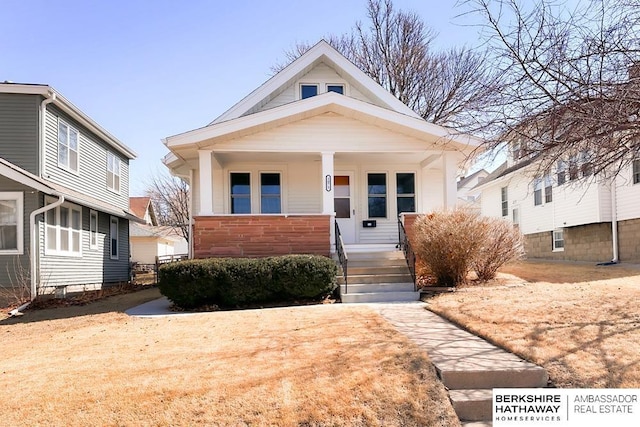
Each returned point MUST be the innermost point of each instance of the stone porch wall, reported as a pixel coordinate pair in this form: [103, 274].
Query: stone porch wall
[261, 235]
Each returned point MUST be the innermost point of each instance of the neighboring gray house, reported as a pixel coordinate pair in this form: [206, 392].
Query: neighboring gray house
[64, 194]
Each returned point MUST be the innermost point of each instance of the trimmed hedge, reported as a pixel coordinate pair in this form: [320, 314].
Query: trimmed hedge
[230, 282]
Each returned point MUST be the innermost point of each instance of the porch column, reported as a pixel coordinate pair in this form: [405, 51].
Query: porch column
[205, 182]
[449, 172]
[327, 183]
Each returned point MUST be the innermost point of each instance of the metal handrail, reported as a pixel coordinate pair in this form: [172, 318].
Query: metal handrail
[407, 250]
[343, 259]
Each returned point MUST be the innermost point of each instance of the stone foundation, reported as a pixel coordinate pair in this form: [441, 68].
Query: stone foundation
[591, 242]
[629, 240]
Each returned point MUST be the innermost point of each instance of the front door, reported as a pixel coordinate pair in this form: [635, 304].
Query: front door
[344, 206]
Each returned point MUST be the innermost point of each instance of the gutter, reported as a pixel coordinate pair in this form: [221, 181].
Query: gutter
[34, 252]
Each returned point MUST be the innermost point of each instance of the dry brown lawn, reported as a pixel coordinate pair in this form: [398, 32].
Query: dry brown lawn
[297, 366]
[580, 322]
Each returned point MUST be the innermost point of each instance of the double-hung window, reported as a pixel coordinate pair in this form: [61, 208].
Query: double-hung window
[114, 237]
[11, 223]
[93, 230]
[240, 193]
[270, 193]
[561, 172]
[113, 173]
[63, 228]
[406, 192]
[307, 91]
[558, 240]
[548, 189]
[336, 88]
[377, 195]
[537, 192]
[68, 147]
[636, 171]
[504, 198]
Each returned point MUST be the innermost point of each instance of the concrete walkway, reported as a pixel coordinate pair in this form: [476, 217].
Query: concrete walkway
[467, 365]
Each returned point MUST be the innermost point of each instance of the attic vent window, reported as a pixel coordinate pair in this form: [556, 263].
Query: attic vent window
[336, 88]
[307, 91]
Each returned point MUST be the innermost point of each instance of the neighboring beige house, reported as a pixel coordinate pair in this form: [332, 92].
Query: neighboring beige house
[468, 195]
[149, 240]
[317, 144]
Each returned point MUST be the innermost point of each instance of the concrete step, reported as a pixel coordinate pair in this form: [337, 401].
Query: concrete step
[376, 269]
[369, 248]
[375, 278]
[525, 376]
[382, 262]
[359, 288]
[380, 297]
[472, 405]
[359, 256]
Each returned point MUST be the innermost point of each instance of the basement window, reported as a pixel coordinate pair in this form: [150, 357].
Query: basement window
[558, 240]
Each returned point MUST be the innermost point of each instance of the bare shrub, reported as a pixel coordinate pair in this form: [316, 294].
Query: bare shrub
[502, 243]
[448, 242]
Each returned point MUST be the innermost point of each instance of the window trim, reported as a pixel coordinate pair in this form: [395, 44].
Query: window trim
[316, 85]
[246, 196]
[635, 171]
[554, 247]
[537, 192]
[504, 201]
[117, 162]
[386, 193]
[548, 189]
[93, 234]
[58, 229]
[62, 166]
[18, 196]
[344, 88]
[116, 221]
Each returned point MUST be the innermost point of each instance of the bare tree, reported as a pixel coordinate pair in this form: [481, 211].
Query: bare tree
[170, 197]
[571, 80]
[395, 48]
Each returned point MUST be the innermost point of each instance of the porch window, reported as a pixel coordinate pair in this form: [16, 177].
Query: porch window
[307, 91]
[270, 191]
[63, 226]
[377, 191]
[11, 221]
[406, 192]
[504, 197]
[558, 240]
[68, 147]
[240, 193]
[636, 171]
[336, 88]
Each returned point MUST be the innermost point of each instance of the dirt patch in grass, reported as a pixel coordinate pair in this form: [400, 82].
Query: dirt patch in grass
[583, 326]
[315, 365]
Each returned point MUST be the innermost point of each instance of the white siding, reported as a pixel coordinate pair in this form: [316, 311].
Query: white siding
[627, 196]
[145, 249]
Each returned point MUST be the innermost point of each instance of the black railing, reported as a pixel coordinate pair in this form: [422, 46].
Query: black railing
[342, 254]
[409, 255]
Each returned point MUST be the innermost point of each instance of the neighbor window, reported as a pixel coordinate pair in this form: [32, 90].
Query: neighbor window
[113, 237]
[11, 223]
[113, 173]
[240, 193]
[63, 228]
[336, 88]
[516, 218]
[573, 168]
[68, 147]
[548, 189]
[636, 171]
[561, 172]
[270, 193]
[406, 192]
[537, 192]
[504, 197]
[307, 91]
[377, 195]
[558, 239]
[586, 167]
[93, 230]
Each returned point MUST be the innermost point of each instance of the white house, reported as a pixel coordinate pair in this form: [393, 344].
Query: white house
[468, 194]
[568, 213]
[319, 142]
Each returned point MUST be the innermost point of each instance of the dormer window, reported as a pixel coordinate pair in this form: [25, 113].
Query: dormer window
[307, 91]
[336, 88]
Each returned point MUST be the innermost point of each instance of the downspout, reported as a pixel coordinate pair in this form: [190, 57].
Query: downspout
[34, 251]
[42, 134]
[614, 220]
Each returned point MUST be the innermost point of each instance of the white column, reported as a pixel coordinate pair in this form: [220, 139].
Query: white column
[449, 172]
[206, 182]
[327, 183]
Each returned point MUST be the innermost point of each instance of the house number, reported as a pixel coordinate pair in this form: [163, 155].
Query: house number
[327, 183]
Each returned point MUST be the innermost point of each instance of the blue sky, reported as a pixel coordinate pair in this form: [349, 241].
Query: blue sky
[145, 70]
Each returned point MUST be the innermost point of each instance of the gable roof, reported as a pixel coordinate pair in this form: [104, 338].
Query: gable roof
[465, 180]
[65, 105]
[321, 52]
[140, 205]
